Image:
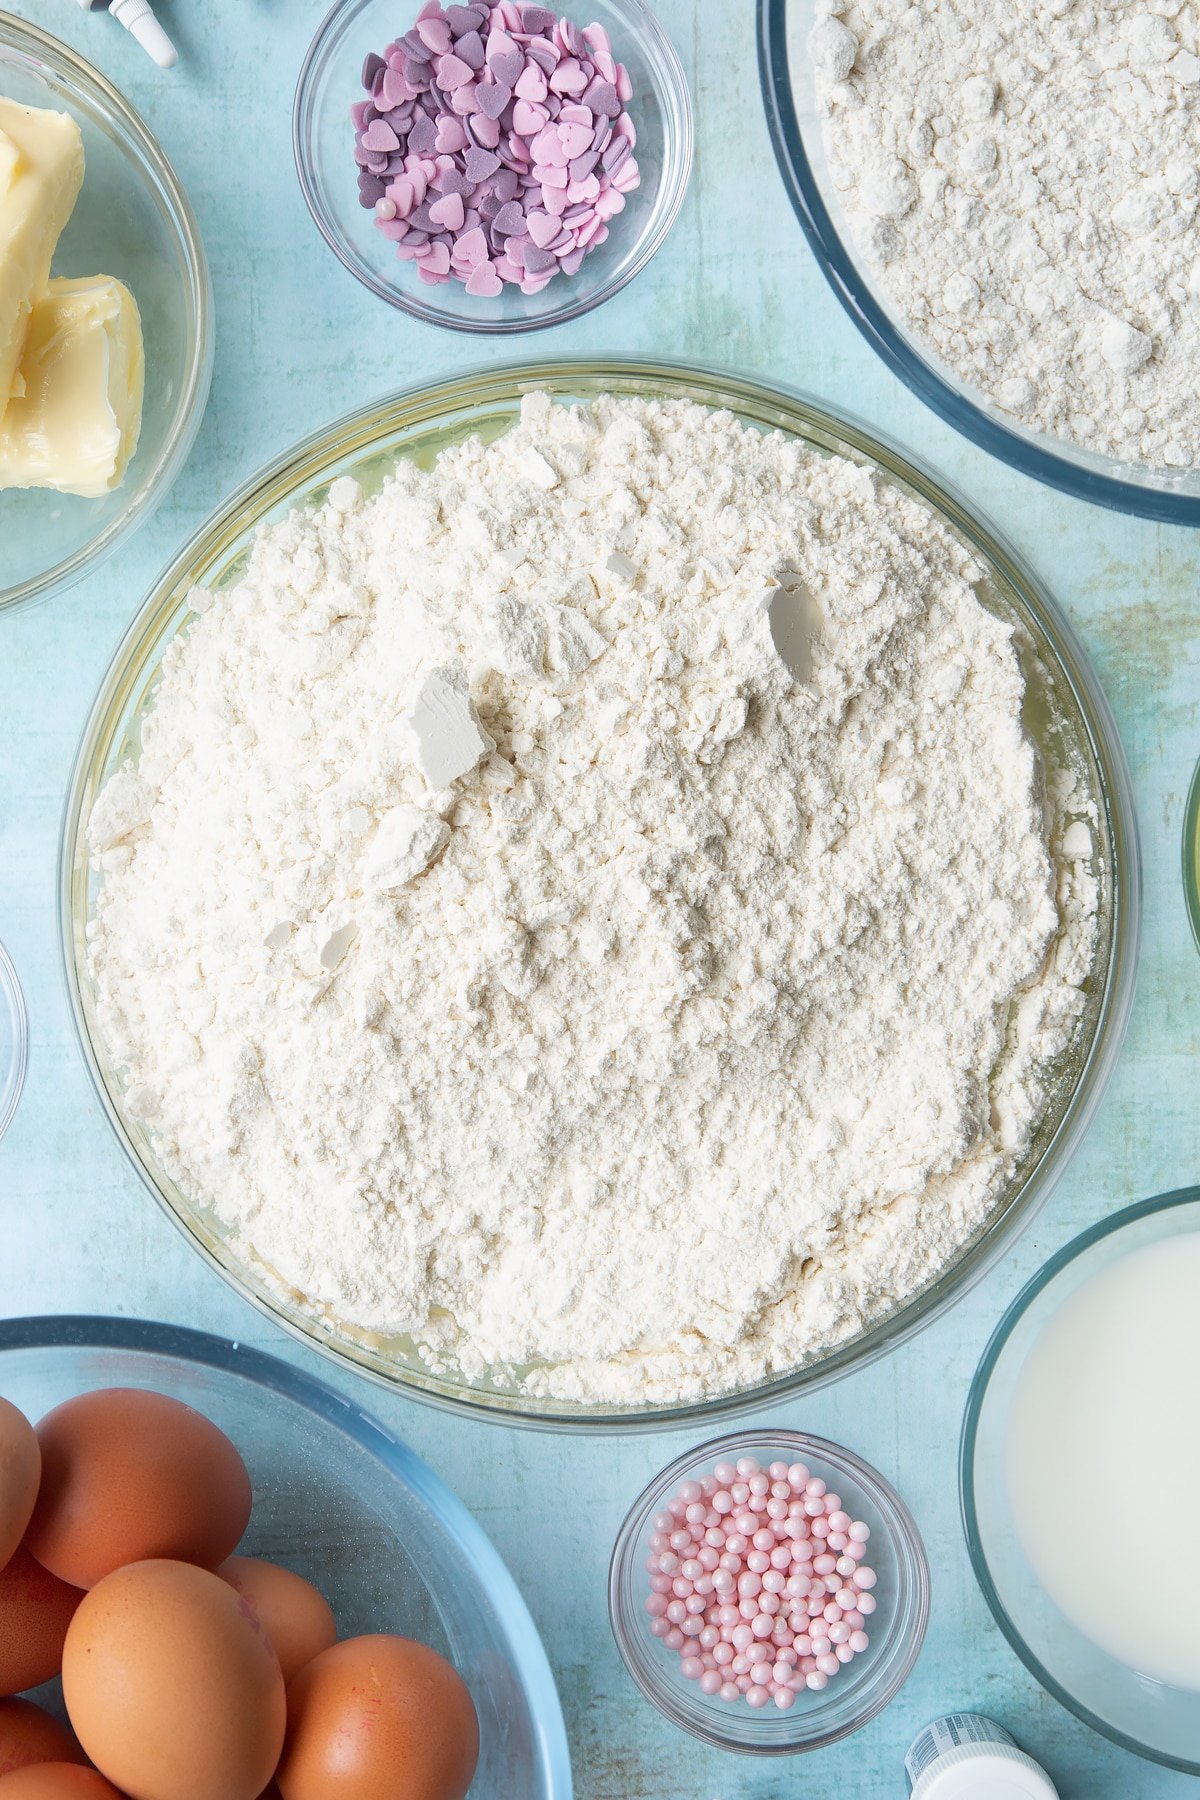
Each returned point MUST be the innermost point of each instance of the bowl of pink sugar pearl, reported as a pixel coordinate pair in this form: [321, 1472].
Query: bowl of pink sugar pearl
[493, 166]
[769, 1592]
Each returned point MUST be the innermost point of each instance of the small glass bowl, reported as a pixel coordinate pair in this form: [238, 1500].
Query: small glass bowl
[863, 1688]
[1144, 1716]
[133, 221]
[343, 1502]
[331, 81]
[14, 1041]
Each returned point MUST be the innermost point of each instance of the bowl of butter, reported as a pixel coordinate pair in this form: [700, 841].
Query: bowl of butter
[105, 317]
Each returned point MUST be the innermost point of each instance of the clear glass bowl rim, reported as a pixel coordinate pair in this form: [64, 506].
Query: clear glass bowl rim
[803, 1445]
[411, 302]
[1191, 855]
[31, 40]
[1033, 1289]
[292, 473]
[12, 1078]
[82, 1331]
[955, 408]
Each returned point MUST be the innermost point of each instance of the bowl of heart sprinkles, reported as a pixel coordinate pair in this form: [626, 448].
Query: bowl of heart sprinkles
[493, 167]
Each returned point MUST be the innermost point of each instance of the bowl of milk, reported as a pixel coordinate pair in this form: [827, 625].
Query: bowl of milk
[1080, 1475]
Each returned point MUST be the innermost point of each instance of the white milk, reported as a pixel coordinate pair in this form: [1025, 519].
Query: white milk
[1104, 1459]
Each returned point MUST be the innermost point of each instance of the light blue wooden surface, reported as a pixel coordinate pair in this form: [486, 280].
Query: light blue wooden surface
[298, 342]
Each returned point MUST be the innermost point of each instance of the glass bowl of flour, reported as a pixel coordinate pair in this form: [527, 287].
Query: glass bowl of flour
[622, 908]
[1004, 213]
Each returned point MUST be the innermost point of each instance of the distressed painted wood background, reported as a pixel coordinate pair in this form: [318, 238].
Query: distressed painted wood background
[299, 341]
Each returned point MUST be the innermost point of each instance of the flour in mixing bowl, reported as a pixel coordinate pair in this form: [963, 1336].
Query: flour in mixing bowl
[1023, 177]
[695, 1024]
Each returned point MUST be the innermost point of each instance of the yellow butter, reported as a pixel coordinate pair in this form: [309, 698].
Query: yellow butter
[76, 424]
[41, 173]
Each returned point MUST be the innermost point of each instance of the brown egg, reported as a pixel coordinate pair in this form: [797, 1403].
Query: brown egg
[379, 1718]
[129, 1476]
[294, 1616]
[29, 1735]
[35, 1610]
[172, 1686]
[56, 1781]
[20, 1472]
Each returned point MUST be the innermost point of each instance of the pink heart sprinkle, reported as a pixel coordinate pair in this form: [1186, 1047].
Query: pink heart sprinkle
[380, 138]
[542, 228]
[532, 84]
[577, 115]
[471, 247]
[575, 139]
[484, 282]
[486, 131]
[435, 257]
[569, 77]
[529, 119]
[402, 192]
[453, 72]
[435, 35]
[451, 135]
[395, 90]
[449, 211]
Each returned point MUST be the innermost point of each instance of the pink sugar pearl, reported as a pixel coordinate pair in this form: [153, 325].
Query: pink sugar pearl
[757, 1581]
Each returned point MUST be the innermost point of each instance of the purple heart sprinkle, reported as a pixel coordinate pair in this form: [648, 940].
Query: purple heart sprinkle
[582, 166]
[370, 189]
[480, 164]
[509, 220]
[422, 139]
[463, 19]
[575, 41]
[506, 184]
[507, 67]
[537, 261]
[417, 49]
[469, 49]
[537, 19]
[454, 182]
[373, 66]
[492, 97]
[602, 97]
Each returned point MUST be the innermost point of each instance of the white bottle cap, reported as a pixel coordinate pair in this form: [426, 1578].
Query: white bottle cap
[994, 1773]
[138, 18]
[965, 1756]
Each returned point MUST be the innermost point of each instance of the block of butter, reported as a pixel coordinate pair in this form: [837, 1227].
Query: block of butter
[41, 173]
[76, 424]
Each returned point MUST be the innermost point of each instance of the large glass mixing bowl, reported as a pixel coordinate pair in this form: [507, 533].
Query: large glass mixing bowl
[341, 1501]
[789, 90]
[1066, 714]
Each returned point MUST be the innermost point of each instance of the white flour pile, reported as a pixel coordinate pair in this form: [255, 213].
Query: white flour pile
[660, 1049]
[1024, 176]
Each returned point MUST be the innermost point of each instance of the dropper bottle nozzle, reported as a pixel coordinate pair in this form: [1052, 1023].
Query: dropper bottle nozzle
[137, 16]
